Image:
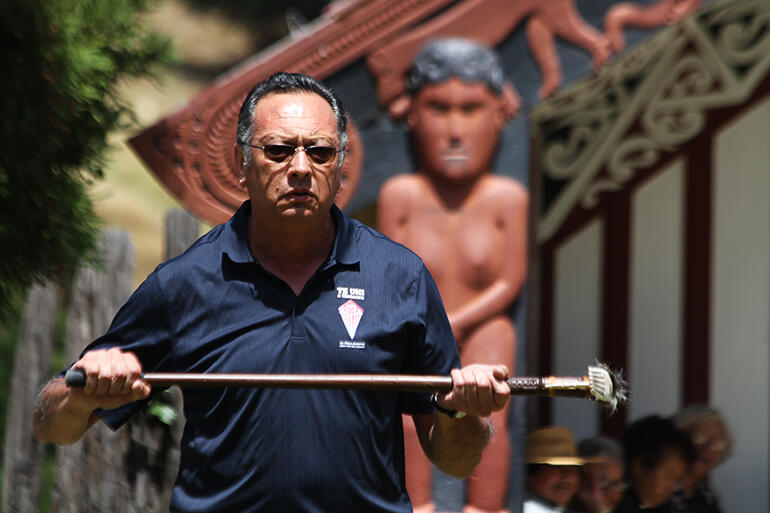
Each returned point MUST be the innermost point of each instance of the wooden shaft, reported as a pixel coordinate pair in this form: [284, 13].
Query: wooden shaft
[382, 382]
[548, 386]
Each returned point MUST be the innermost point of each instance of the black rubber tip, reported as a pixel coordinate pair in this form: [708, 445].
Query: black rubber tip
[75, 378]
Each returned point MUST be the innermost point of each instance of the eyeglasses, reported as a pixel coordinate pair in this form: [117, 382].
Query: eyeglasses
[715, 444]
[280, 152]
[613, 486]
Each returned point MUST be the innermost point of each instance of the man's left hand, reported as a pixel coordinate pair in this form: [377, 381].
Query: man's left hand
[477, 390]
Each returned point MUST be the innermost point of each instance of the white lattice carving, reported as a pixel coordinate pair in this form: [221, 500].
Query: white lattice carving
[649, 102]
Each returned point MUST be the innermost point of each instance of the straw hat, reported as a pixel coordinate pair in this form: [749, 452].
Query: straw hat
[553, 446]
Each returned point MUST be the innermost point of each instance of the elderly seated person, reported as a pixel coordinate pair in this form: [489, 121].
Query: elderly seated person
[712, 443]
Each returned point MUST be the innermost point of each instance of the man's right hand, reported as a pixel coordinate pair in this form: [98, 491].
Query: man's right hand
[113, 378]
[63, 414]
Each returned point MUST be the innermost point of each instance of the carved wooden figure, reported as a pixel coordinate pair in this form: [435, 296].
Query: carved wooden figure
[665, 12]
[490, 22]
[560, 18]
[468, 225]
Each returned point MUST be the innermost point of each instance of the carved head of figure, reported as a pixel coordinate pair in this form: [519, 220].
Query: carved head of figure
[457, 109]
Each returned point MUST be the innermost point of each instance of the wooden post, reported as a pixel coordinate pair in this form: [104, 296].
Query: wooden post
[132, 470]
[90, 474]
[23, 455]
[181, 230]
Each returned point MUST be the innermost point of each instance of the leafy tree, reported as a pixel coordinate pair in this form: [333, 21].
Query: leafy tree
[62, 62]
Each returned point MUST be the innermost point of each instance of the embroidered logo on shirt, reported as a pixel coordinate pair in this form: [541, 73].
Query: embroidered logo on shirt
[347, 344]
[350, 293]
[351, 314]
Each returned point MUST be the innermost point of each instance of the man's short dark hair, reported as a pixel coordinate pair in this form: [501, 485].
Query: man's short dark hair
[288, 83]
[653, 438]
[441, 59]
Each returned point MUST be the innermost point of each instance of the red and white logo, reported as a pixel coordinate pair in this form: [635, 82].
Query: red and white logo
[351, 314]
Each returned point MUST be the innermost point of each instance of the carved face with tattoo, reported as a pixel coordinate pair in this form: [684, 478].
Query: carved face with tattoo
[455, 128]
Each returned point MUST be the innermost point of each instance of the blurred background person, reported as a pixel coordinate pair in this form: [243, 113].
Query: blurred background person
[552, 470]
[657, 456]
[712, 442]
[601, 476]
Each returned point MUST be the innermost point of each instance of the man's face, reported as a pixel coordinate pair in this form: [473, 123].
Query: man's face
[555, 483]
[711, 442]
[296, 186]
[601, 485]
[455, 128]
[655, 486]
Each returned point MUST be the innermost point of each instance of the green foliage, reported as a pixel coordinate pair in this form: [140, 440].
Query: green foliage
[162, 409]
[63, 61]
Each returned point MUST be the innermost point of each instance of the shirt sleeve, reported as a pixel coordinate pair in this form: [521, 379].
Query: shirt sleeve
[141, 327]
[432, 348]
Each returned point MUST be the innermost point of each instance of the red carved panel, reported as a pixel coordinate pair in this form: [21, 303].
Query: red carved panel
[191, 152]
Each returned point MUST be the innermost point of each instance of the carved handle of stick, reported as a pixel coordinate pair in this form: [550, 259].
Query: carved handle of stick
[526, 385]
[551, 386]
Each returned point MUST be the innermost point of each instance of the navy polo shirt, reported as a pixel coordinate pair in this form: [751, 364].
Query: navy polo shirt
[371, 308]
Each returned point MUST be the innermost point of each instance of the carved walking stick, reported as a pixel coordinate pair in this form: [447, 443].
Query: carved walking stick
[600, 384]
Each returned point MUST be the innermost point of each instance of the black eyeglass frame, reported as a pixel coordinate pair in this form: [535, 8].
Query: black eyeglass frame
[292, 151]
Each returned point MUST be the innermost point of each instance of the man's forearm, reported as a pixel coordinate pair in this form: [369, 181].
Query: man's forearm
[455, 445]
[113, 378]
[62, 417]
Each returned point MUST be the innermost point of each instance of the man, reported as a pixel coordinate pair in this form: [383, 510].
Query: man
[712, 443]
[601, 482]
[468, 225]
[552, 470]
[288, 285]
[657, 457]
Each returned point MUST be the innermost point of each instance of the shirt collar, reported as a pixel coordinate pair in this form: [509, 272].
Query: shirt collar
[345, 249]
[236, 240]
[236, 244]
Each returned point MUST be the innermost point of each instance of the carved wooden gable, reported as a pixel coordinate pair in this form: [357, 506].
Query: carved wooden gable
[595, 137]
[362, 48]
[191, 151]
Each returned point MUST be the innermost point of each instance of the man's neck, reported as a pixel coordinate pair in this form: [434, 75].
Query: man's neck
[292, 250]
